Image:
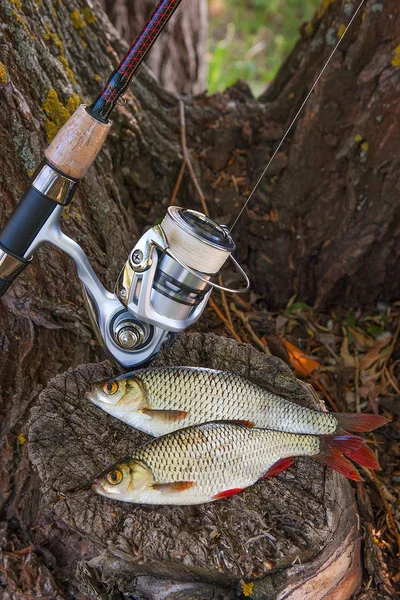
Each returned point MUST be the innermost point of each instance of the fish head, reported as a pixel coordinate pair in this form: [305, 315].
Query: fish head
[121, 394]
[125, 480]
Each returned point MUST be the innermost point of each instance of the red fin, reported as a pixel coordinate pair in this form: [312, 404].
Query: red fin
[176, 486]
[331, 453]
[165, 415]
[244, 423]
[354, 447]
[226, 493]
[339, 463]
[343, 443]
[359, 423]
[364, 456]
[278, 467]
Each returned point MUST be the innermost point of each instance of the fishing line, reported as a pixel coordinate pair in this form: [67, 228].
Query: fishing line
[296, 117]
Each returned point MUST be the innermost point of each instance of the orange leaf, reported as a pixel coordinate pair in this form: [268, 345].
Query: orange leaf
[301, 363]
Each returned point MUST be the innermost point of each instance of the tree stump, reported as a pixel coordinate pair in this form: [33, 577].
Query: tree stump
[293, 536]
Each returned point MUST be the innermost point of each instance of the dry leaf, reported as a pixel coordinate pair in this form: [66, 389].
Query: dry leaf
[280, 323]
[347, 358]
[378, 352]
[301, 363]
[363, 341]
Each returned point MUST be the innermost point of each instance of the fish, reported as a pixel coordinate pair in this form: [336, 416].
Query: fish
[160, 400]
[208, 462]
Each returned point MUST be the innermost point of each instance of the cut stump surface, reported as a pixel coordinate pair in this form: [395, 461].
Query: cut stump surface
[294, 536]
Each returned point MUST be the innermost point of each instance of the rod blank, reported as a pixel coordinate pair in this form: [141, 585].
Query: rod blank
[121, 77]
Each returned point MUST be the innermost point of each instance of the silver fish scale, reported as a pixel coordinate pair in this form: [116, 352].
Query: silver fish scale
[220, 456]
[209, 395]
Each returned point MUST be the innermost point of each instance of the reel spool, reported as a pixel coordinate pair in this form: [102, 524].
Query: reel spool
[196, 240]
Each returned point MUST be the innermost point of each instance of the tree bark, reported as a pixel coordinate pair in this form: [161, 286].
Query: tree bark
[324, 218]
[290, 536]
[179, 59]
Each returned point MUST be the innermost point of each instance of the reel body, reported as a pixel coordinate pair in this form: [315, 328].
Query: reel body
[167, 280]
[159, 284]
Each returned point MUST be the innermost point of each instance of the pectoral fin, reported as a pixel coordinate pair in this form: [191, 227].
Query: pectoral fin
[165, 415]
[176, 486]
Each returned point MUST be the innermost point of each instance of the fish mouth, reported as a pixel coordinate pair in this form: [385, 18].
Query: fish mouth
[97, 487]
[91, 395]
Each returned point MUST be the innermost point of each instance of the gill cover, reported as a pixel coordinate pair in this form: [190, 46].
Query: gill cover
[128, 392]
[123, 479]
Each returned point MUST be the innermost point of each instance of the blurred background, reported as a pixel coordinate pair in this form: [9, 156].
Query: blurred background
[211, 44]
[249, 39]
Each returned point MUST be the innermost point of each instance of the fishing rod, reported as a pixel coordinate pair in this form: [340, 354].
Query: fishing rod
[169, 275]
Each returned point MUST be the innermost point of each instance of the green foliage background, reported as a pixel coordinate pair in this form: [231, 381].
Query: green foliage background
[249, 39]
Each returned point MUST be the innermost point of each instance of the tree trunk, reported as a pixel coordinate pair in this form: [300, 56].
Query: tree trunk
[289, 536]
[324, 218]
[335, 187]
[179, 58]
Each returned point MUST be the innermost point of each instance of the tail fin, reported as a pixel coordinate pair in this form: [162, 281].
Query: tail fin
[364, 456]
[331, 454]
[360, 423]
[354, 447]
[339, 463]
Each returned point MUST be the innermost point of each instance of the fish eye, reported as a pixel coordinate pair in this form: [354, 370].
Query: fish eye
[114, 477]
[110, 388]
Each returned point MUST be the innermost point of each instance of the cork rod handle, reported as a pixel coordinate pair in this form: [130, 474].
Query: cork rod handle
[77, 144]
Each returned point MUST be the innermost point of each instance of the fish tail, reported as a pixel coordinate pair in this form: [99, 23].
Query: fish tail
[333, 448]
[354, 447]
[359, 422]
[365, 457]
[338, 462]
